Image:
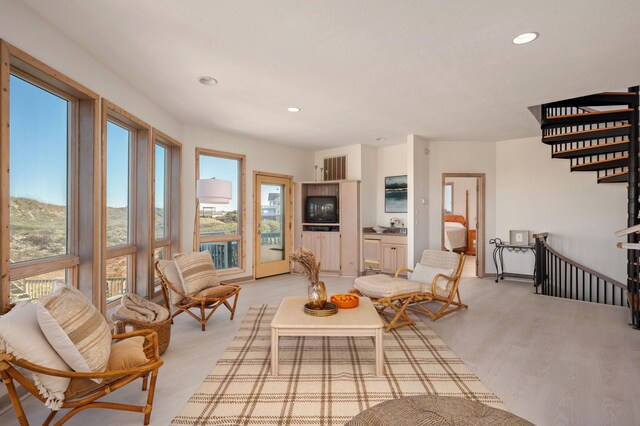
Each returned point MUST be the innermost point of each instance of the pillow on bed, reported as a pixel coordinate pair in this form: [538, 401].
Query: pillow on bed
[453, 225]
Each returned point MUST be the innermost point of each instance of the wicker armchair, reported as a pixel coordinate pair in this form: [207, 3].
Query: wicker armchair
[83, 393]
[394, 296]
[211, 298]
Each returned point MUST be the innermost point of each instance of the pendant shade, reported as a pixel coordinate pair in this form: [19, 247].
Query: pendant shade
[214, 191]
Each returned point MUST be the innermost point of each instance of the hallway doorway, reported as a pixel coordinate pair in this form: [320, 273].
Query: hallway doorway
[463, 219]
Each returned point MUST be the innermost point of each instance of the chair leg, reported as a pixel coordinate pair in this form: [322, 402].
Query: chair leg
[444, 311]
[400, 317]
[15, 399]
[203, 321]
[145, 379]
[235, 303]
[152, 390]
[49, 418]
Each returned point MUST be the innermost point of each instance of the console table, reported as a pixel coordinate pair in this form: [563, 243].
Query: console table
[498, 259]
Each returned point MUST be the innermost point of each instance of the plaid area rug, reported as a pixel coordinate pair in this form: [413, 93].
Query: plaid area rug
[324, 380]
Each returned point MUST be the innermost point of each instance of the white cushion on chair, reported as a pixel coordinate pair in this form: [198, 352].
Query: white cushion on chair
[21, 336]
[170, 272]
[425, 274]
[440, 259]
[385, 286]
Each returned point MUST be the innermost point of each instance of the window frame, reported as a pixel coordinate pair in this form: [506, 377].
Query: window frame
[140, 181]
[82, 107]
[242, 208]
[172, 198]
[84, 265]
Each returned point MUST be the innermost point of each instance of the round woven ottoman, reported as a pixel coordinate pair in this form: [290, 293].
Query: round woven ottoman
[428, 410]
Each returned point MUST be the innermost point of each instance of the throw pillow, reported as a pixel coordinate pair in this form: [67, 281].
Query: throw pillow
[21, 336]
[76, 330]
[425, 274]
[196, 271]
[127, 353]
[170, 272]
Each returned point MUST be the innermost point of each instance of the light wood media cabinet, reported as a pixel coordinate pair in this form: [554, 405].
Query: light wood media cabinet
[336, 245]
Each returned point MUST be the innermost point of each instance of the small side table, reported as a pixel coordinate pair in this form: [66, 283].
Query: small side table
[498, 259]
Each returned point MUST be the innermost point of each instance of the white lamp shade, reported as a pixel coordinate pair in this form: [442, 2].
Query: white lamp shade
[214, 191]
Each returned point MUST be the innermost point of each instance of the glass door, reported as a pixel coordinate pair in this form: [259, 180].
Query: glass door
[272, 218]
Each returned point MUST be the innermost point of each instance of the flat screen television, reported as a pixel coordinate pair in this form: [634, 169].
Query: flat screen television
[321, 209]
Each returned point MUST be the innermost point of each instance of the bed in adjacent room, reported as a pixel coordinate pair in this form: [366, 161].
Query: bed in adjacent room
[455, 232]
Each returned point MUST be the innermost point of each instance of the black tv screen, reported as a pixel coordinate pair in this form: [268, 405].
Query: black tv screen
[321, 209]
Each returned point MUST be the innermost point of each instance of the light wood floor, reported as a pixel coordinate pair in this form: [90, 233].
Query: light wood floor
[553, 362]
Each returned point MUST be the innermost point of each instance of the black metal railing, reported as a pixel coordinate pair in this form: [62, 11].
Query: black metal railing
[558, 276]
[633, 210]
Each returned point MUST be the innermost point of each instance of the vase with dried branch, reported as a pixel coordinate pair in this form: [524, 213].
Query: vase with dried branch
[311, 268]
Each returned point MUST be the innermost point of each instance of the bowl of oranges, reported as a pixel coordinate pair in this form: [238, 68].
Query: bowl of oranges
[345, 301]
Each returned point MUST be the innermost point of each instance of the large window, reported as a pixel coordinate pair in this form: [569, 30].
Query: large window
[40, 189]
[120, 208]
[166, 183]
[119, 173]
[87, 198]
[221, 226]
[128, 213]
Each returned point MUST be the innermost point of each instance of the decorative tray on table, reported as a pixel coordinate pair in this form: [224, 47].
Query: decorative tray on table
[329, 309]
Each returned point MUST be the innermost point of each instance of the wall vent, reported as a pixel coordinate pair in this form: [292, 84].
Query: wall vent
[335, 168]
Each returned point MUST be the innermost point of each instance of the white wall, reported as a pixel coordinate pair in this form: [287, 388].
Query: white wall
[540, 194]
[392, 161]
[260, 156]
[460, 187]
[418, 208]
[27, 30]
[368, 186]
[462, 157]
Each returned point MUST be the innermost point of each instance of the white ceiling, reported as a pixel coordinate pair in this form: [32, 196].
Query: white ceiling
[359, 69]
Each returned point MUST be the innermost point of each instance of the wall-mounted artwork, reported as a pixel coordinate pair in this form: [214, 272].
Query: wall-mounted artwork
[395, 194]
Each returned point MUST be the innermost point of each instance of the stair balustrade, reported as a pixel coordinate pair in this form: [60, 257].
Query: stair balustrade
[558, 276]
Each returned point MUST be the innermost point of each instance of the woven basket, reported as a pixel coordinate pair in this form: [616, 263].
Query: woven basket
[162, 328]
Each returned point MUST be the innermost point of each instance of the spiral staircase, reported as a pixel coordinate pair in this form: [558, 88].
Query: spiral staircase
[599, 133]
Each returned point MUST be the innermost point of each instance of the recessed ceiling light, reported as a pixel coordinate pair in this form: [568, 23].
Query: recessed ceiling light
[525, 38]
[208, 81]
[381, 139]
[293, 109]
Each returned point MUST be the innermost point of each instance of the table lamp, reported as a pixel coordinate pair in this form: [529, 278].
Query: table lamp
[210, 191]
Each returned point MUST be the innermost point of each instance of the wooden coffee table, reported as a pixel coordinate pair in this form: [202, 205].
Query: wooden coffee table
[290, 320]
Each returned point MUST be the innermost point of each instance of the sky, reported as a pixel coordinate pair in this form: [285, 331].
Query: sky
[221, 168]
[38, 150]
[39, 160]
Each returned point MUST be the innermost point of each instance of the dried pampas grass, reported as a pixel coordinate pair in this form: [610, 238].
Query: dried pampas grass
[307, 261]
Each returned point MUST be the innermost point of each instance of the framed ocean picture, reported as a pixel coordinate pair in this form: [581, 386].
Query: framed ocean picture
[395, 194]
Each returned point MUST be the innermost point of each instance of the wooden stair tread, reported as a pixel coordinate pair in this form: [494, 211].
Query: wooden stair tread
[615, 178]
[583, 132]
[622, 142]
[617, 93]
[585, 114]
[590, 134]
[601, 162]
[584, 150]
